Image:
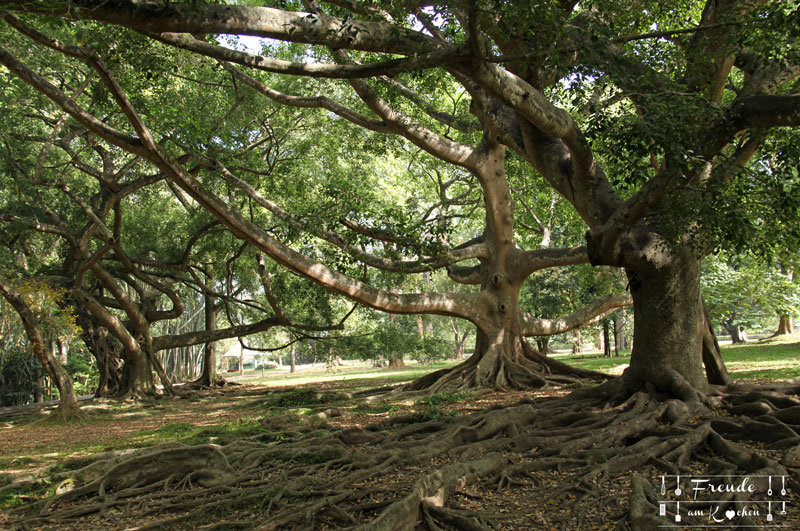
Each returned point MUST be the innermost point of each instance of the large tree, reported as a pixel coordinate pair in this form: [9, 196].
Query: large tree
[640, 116]
[503, 357]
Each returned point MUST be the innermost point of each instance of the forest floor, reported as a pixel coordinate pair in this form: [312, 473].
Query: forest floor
[39, 455]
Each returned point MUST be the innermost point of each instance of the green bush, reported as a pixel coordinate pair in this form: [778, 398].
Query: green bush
[19, 376]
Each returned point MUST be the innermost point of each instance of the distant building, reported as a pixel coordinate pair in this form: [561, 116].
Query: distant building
[251, 359]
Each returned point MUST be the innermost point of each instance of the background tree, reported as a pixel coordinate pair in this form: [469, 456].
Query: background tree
[509, 362]
[744, 292]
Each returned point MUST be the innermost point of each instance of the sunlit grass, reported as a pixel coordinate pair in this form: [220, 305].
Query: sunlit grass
[775, 359]
[350, 373]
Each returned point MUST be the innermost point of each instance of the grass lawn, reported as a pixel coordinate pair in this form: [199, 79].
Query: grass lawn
[775, 359]
[366, 376]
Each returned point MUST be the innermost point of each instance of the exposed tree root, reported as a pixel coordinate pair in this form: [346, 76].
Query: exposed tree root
[407, 476]
[525, 369]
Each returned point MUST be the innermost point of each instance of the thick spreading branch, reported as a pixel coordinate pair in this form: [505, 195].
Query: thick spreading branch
[316, 70]
[591, 313]
[213, 19]
[478, 250]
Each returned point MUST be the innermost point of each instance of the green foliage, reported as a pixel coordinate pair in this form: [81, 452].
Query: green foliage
[748, 291]
[19, 376]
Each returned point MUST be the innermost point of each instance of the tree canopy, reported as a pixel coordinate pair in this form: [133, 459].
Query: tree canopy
[448, 125]
[279, 164]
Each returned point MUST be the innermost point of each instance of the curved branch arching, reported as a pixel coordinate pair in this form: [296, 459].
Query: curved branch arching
[591, 313]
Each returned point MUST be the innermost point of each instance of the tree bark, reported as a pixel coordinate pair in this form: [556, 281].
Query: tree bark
[666, 303]
[292, 360]
[137, 377]
[396, 363]
[737, 333]
[209, 377]
[619, 333]
[543, 344]
[606, 340]
[503, 358]
[785, 325]
[577, 342]
[460, 341]
[716, 372]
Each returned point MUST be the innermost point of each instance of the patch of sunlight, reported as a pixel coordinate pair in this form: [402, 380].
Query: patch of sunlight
[743, 366]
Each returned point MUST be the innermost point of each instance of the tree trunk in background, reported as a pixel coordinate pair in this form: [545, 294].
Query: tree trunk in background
[37, 390]
[397, 363]
[736, 332]
[63, 350]
[785, 325]
[460, 341]
[786, 322]
[606, 340]
[716, 372]
[292, 360]
[209, 377]
[620, 340]
[420, 326]
[106, 354]
[577, 342]
[543, 344]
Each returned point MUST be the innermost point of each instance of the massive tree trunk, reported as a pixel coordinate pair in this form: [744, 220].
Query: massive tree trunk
[672, 334]
[503, 358]
[666, 304]
[396, 363]
[137, 377]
